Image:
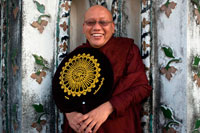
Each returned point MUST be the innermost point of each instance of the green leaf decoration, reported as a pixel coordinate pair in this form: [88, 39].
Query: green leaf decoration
[38, 108]
[40, 7]
[168, 52]
[169, 124]
[167, 3]
[42, 16]
[195, 131]
[196, 2]
[196, 61]
[167, 112]
[39, 60]
[197, 124]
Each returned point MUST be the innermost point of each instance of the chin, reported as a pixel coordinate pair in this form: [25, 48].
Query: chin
[96, 44]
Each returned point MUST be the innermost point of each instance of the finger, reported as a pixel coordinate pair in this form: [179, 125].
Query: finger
[76, 127]
[90, 127]
[82, 118]
[85, 124]
[96, 127]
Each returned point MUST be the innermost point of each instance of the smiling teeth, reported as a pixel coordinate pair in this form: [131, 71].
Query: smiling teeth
[97, 35]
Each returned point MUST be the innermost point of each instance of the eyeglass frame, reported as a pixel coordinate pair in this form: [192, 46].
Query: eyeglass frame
[101, 23]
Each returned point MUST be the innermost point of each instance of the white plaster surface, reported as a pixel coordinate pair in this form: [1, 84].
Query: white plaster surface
[34, 42]
[172, 32]
[193, 91]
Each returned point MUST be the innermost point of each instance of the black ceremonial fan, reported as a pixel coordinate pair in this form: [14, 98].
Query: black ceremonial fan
[83, 81]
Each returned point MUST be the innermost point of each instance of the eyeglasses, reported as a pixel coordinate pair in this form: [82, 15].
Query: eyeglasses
[101, 23]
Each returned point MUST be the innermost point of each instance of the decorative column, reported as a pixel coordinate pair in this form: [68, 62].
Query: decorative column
[175, 66]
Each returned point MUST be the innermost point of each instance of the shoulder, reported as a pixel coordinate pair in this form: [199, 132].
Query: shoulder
[124, 39]
[124, 42]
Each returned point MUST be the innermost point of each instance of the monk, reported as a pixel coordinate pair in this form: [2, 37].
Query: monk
[121, 114]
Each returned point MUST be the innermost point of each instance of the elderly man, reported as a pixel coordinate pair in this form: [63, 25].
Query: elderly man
[121, 114]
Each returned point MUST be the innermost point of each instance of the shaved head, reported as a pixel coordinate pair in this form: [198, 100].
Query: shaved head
[98, 26]
[98, 7]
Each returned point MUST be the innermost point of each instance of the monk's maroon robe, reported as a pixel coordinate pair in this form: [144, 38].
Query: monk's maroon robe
[130, 87]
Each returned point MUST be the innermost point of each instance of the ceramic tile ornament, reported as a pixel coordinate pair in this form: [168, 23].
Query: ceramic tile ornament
[167, 7]
[40, 23]
[196, 70]
[62, 32]
[38, 125]
[146, 42]
[197, 126]
[169, 70]
[42, 66]
[197, 10]
[170, 121]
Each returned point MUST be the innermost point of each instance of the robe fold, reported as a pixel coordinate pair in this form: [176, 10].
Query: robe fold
[131, 87]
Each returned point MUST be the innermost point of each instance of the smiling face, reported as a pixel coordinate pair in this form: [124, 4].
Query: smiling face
[100, 32]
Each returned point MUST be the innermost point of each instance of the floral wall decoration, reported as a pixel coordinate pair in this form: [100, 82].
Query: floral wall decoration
[15, 9]
[38, 125]
[197, 10]
[170, 122]
[146, 42]
[13, 60]
[196, 70]
[42, 66]
[146, 36]
[197, 127]
[167, 7]
[98, 2]
[62, 34]
[169, 70]
[40, 23]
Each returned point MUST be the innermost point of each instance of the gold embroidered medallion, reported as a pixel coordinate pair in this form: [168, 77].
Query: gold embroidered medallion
[80, 75]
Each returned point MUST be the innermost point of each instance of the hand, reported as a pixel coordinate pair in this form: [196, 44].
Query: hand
[96, 117]
[75, 120]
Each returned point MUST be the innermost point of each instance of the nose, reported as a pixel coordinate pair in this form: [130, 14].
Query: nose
[97, 26]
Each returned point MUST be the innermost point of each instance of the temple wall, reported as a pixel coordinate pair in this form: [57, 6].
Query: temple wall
[36, 35]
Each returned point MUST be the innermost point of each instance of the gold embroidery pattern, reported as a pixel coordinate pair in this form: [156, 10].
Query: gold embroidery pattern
[80, 75]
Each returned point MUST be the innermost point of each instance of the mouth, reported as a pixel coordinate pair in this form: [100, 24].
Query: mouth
[97, 35]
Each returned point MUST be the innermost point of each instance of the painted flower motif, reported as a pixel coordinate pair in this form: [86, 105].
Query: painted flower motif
[15, 11]
[40, 26]
[15, 68]
[64, 26]
[196, 12]
[167, 8]
[145, 22]
[64, 46]
[145, 45]
[170, 130]
[144, 2]
[39, 125]
[196, 78]
[66, 6]
[38, 76]
[168, 73]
